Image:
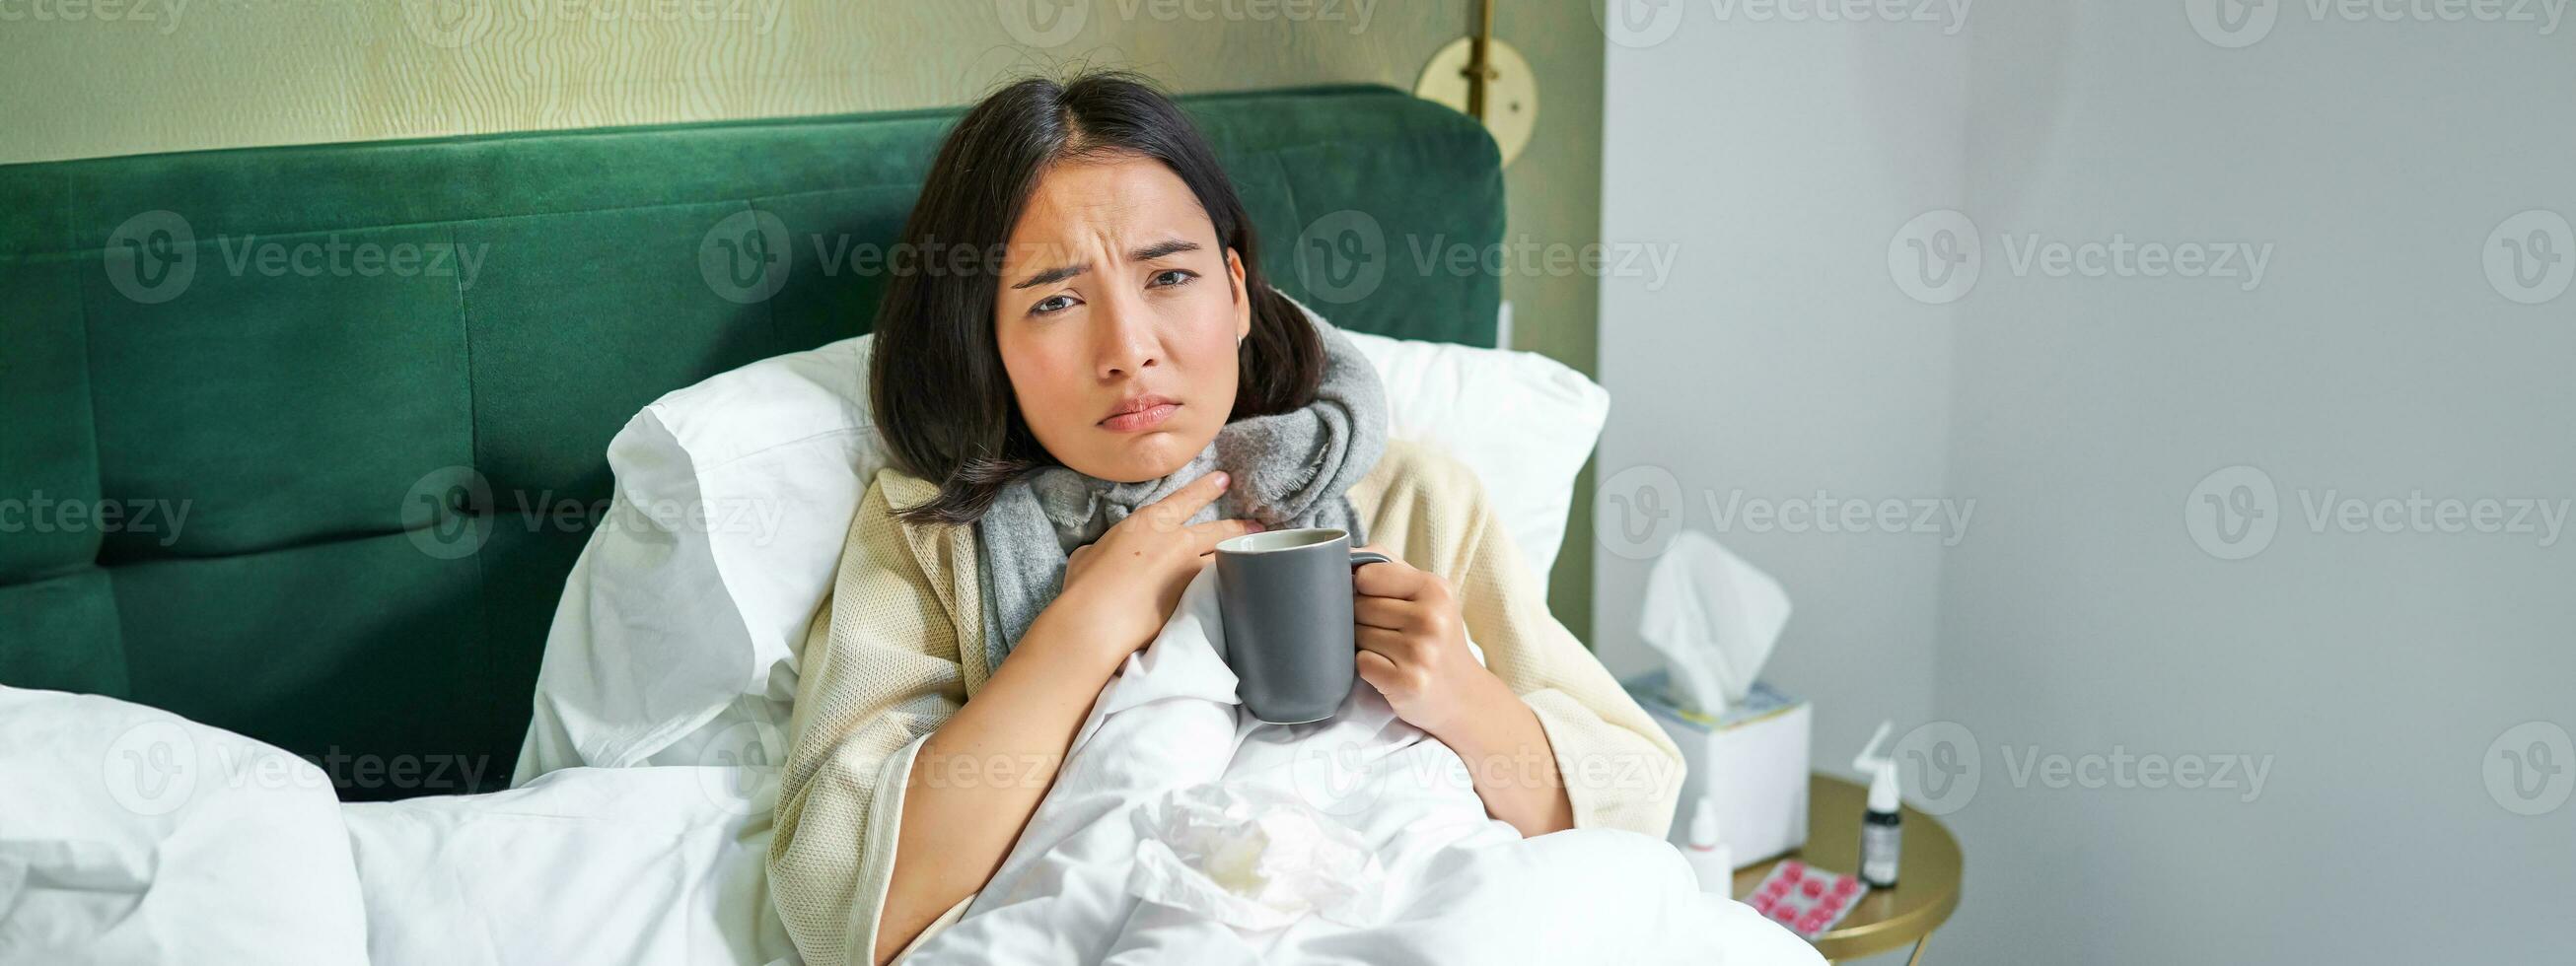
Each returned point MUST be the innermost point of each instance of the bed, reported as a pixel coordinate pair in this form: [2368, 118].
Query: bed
[300, 419]
[316, 435]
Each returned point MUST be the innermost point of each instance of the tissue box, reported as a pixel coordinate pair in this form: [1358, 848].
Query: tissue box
[1752, 761]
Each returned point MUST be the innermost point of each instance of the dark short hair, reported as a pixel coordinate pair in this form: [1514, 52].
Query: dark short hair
[943, 401]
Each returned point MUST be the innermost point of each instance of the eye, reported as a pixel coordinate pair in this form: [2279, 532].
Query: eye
[1170, 277]
[1052, 304]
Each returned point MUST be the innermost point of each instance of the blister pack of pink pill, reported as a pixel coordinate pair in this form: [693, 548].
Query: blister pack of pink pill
[1806, 899]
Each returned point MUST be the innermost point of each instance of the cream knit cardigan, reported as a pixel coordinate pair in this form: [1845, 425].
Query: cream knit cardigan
[883, 669]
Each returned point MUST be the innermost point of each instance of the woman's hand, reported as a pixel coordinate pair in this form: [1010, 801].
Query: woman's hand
[1413, 646]
[1121, 588]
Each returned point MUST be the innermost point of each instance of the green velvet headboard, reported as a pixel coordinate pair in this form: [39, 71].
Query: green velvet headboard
[228, 378]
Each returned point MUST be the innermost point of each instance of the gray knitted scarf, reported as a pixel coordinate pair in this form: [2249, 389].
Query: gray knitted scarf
[1288, 470]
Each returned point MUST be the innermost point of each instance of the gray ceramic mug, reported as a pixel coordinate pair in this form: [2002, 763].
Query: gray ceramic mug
[1286, 596]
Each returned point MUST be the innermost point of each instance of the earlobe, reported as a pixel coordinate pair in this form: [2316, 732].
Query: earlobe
[1242, 299]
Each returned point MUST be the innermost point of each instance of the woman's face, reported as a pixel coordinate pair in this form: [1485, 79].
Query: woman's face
[1118, 316]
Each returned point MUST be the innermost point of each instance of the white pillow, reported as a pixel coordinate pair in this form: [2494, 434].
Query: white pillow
[676, 639]
[131, 835]
[1524, 422]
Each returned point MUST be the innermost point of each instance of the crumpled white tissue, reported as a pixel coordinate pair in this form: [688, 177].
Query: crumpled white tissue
[1714, 616]
[1253, 859]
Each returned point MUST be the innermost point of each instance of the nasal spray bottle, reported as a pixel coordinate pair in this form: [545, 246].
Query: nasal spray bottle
[1881, 838]
[1710, 858]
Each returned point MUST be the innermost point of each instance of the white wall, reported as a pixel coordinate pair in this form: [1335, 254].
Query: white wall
[1772, 364]
[2082, 616]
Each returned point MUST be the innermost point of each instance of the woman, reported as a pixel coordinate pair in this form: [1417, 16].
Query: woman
[1088, 388]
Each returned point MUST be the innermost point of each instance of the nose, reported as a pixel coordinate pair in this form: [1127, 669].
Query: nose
[1126, 341]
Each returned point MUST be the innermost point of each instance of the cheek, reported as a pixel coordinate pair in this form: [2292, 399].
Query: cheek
[1047, 380]
[1210, 357]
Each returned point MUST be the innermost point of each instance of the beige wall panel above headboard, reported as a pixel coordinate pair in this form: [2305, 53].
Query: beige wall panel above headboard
[136, 76]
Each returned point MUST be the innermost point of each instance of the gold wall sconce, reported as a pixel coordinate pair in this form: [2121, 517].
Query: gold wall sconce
[1488, 80]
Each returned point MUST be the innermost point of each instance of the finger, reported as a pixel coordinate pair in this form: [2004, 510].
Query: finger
[1386, 612]
[1383, 642]
[1175, 510]
[1205, 536]
[1375, 669]
[1393, 579]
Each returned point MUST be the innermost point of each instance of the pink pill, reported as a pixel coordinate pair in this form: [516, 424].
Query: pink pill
[1846, 887]
[1785, 915]
[1812, 888]
[1812, 924]
[1792, 870]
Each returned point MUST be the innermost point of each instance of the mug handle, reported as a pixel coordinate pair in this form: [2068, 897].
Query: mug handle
[1362, 558]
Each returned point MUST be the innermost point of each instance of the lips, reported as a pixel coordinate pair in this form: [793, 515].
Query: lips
[1138, 413]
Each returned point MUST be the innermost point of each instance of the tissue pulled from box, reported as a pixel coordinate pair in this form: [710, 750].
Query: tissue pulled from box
[1254, 860]
[1714, 617]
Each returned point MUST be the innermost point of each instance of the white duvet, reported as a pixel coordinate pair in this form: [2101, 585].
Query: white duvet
[130, 836]
[1404, 865]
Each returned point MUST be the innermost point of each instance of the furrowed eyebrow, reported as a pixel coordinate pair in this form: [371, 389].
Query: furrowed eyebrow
[1160, 249]
[1052, 276]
